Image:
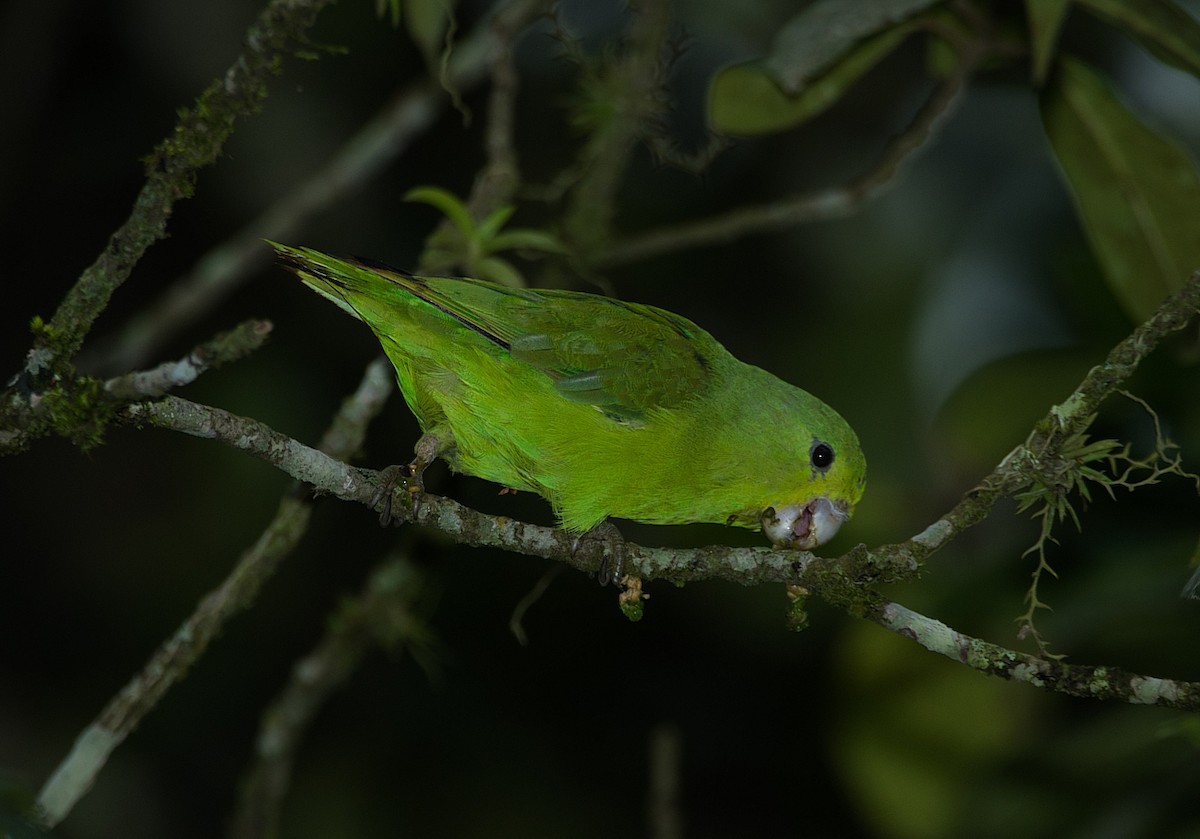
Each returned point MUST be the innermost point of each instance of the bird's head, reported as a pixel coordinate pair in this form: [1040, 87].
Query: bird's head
[835, 478]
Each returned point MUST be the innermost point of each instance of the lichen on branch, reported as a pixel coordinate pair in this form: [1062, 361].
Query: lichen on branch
[196, 141]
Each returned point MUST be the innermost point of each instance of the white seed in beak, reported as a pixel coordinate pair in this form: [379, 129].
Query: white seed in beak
[804, 526]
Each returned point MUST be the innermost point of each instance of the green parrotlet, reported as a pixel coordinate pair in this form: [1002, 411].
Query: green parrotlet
[602, 407]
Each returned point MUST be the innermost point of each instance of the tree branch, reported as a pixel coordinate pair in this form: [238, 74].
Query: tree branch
[631, 92]
[1088, 681]
[381, 141]
[171, 170]
[844, 581]
[80, 408]
[1035, 457]
[838, 202]
[381, 615]
[75, 775]
[228, 346]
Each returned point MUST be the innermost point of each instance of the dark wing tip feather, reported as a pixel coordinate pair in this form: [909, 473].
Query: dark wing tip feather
[378, 265]
[305, 258]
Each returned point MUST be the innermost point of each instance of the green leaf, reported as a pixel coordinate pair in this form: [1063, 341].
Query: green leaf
[490, 226]
[749, 99]
[501, 271]
[818, 55]
[527, 240]
[448, 203]
[1161, 26]
[427, 22]
[1137, 193]
[1045, 22]
[827, 30]
[390, 8]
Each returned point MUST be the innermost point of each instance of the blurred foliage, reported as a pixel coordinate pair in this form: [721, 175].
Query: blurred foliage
[941, 319]
[1134, 190]
[816, 56]
[474, 246]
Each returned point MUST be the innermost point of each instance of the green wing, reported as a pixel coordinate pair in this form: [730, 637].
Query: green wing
[623, 358]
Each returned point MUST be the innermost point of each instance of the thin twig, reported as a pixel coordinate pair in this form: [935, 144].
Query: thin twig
[224, 348]
[516, 621]
[785, 213]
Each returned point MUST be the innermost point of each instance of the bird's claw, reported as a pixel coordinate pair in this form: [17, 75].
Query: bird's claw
[612, 561]
[412, 476]
[428, 448]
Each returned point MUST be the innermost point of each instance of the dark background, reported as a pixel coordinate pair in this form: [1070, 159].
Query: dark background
[941, 321]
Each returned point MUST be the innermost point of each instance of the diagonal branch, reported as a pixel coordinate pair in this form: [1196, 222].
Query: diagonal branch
[228, 346]
[1063, 421]
[171, 171]
[75, 775]
[376, 145]
[382, 615]
[838, 202]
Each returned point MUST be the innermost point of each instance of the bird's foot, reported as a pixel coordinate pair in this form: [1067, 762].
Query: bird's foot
[612, 560]
[389, 478]
[412, 475]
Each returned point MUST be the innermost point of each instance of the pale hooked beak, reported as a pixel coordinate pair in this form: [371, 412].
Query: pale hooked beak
[804, 526]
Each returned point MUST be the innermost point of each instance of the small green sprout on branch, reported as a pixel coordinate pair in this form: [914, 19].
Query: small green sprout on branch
[473, 245]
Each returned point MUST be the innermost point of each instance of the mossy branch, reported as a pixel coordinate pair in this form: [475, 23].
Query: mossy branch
[80, 408]
[383, 139]
[1031, 460]
[1083, 680]
[74, 776]
[787, 213]
[171, 169]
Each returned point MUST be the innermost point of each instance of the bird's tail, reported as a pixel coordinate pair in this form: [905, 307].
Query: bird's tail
[349, 283]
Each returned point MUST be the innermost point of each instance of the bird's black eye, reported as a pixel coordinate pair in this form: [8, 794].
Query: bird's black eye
[821, 456]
